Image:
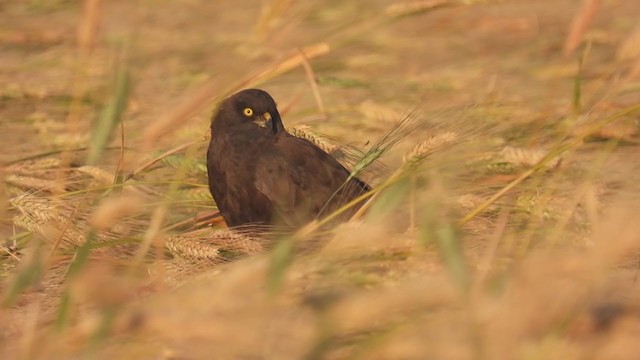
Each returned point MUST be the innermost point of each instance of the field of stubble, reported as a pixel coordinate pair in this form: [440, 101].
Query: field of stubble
[501, 138]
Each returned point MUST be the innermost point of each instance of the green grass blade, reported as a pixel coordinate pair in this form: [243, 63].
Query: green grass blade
[110, 116]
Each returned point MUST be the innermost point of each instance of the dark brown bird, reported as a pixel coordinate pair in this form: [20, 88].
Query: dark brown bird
[261, 174]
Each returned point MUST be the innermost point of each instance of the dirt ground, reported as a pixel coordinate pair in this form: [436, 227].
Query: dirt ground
[545, 271]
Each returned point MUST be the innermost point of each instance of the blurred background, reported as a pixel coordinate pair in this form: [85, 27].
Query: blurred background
[501, 138]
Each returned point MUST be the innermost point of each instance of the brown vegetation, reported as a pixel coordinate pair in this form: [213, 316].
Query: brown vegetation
[501, 139]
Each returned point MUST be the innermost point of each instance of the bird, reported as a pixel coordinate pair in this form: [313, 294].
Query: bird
[259, 174]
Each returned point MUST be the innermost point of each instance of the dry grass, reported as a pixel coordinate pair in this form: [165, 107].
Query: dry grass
[504, 227]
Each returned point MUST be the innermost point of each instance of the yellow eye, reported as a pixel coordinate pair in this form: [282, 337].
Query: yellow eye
[247, 111]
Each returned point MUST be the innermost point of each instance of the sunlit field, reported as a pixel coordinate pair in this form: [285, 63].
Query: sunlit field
[501, 140]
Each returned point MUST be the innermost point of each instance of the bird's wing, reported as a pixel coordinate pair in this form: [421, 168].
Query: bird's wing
[283, 185]
[300, 180]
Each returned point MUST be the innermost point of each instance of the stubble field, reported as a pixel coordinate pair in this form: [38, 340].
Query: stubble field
[501, 139]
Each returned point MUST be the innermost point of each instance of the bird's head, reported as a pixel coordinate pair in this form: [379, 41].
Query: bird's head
[248, 108]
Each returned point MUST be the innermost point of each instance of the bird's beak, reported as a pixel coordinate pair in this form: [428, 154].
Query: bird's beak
[264, 120]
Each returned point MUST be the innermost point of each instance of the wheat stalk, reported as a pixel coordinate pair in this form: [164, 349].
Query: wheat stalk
[305, 132]
[40, 208]
[194, 194]
[414, 7]
[102, 176]
[28, 182]
[189, 247]
[208, 246]
[40, 215]
[35, 165]
[527, 157]
[427, 147]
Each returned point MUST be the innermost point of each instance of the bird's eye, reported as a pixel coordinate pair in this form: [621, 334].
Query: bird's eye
[247, 111]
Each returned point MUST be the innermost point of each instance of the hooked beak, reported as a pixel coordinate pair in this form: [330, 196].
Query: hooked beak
[264, 120]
